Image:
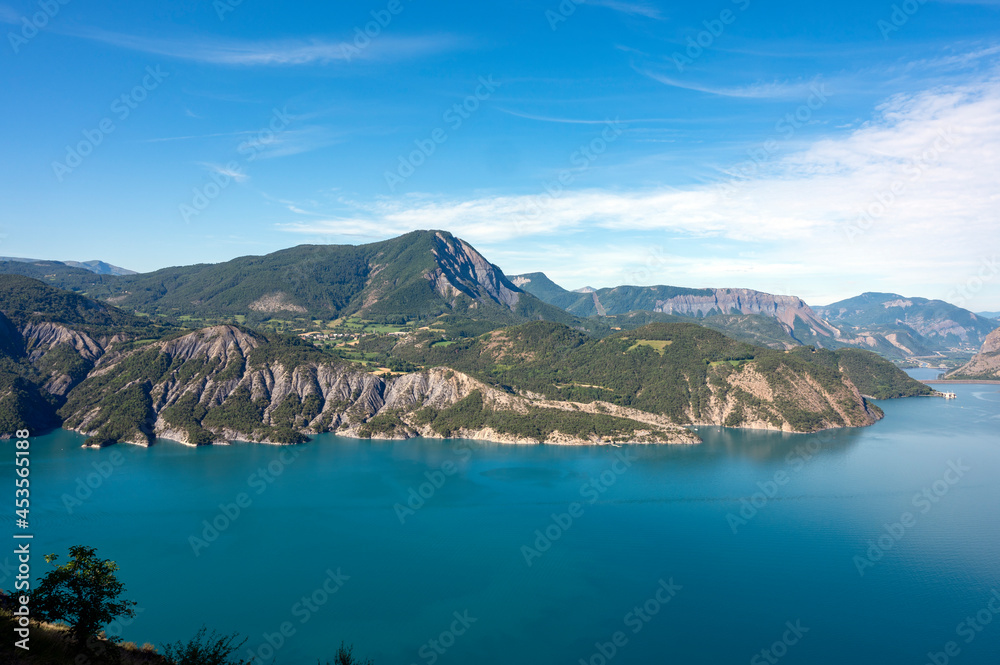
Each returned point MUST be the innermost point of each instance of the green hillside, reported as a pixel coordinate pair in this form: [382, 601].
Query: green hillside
[28, 365]
[417, 276]
[674, 369]
[617, 300]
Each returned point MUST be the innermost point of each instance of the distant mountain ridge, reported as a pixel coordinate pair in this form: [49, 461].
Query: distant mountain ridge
[905, 321]
[889, 324]
[96, 267]
[798, 319]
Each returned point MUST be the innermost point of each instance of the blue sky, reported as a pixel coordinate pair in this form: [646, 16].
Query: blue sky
[819, 150]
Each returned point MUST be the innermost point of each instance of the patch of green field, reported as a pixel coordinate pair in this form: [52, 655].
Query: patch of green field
[383, 328]
[442, 343]
[657, 345]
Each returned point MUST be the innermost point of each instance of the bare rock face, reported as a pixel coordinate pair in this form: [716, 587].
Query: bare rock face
[276, 302]
[45, 341]
[43, 337]
[217, 341]
[463, 270]
[843, 403]
[747, 301]
[992, 342]
[985, 364]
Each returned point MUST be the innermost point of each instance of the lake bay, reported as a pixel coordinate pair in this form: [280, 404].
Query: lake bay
[873, 545]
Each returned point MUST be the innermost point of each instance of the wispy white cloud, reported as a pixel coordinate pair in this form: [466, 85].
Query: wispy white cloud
[578, 121]
[189, 137]
[274, 52]
[237, 175]
[873, 208]
[958, 60]
[760, 90]
[266, 145]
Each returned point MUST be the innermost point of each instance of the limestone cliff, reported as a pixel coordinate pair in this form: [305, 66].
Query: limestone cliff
[747, 301]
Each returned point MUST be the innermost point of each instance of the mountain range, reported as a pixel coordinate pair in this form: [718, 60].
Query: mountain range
[96, 267]
[912, 325]
[894, 326]
[418, 275]
[188, 353]
[799, 322]
[425, 274]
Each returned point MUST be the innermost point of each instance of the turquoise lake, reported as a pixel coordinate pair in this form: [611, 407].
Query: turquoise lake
[874, 545]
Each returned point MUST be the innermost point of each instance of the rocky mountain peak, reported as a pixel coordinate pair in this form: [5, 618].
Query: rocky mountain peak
[463, 270]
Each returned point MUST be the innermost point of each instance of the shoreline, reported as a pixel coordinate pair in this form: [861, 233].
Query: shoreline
[960, 381]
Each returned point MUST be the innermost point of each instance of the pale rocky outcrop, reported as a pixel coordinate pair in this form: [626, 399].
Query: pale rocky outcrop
[845, 400]
[747, 301]
[463, 270]
[42, 337]
[985, 364]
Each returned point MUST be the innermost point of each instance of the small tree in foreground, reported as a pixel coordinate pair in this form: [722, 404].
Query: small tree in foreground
[205, 649]
[345, 656]
[82, 593]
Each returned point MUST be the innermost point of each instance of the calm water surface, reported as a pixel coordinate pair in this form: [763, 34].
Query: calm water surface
[646, 542]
